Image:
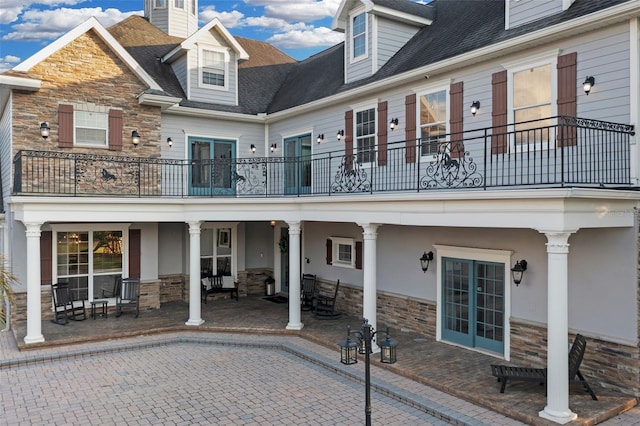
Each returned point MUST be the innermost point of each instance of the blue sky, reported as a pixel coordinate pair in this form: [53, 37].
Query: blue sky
[300, 28]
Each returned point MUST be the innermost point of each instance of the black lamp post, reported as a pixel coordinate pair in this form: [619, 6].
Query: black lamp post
[348, 355]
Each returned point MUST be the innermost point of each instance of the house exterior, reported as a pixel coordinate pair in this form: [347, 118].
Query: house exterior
[483, 146]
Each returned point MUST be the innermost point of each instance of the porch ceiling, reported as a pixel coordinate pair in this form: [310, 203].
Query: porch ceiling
[542, 209]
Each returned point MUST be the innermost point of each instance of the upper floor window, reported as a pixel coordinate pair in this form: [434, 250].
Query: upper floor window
[91, 128]
[366, 135]
[532, 104]
[193, 7]
[160, 4]
[178, 4]
[433, 122]
[359, 36]
[213, 68]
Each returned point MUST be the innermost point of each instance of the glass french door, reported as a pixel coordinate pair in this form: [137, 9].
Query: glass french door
[212, 166]
[473, 303]
[297, 172]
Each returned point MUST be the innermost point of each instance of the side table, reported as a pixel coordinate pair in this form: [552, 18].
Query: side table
[103, 304]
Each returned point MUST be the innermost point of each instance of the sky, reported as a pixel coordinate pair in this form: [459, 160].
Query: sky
[299, 28]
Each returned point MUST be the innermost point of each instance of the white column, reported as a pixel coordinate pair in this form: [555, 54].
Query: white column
[557, 409]
[34, 308]
[370, 290]
[294, 277]
[195, 314]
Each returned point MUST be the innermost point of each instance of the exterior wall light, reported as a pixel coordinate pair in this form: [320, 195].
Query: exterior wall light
[253, 149]
[44, 130]
[135, 138]
[169, 142]
[589, 82]
[425, 259]
[518, 271]
[393, 123]
[475, 106]
[321, 138]
[340, 134]
[273, 147]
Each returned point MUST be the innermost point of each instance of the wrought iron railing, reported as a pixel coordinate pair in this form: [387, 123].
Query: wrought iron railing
[557, 151]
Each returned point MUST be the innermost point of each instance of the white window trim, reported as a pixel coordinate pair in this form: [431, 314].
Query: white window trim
[352, 15]
[335, 242]
[486, 255]
[155, 4]
[356, 109]
[218, 49]
[94, 109]
[426, 90]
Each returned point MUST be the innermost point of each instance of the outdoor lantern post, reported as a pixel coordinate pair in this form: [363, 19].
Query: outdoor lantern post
[348, 356]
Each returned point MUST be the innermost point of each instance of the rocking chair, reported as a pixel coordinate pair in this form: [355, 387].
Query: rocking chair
[64, 307]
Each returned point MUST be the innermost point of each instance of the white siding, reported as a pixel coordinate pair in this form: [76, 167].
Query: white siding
[5, 148]
[524, 11]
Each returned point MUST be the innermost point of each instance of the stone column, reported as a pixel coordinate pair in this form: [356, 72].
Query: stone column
[369, 286]
[195, 313]
[294, 277]
[34, 307]
[557, 408]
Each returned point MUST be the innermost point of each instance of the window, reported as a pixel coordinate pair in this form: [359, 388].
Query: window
[343, 252]
[160, 4]
[366, 135]
[532, 104]
[359, 36]
[213, 68]
[193, 7]
[178, 4]
[91, 128]
[216, 253]
[433, 122]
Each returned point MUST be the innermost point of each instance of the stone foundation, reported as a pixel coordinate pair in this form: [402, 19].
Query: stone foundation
[172, 289]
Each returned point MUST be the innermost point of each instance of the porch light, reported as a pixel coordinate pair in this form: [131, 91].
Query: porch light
[135, 138]
[169, 142]
[518, 271]
[340, 134]
[388, 350]
[589, 82]
[253, 149]
[425, 259]
[44, 130]
[348, 349]
[273, 223]
[393, 123]
[321, 138]
[475, 106]
[273, 147]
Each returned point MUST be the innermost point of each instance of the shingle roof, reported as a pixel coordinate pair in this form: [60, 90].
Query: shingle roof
[407, 6]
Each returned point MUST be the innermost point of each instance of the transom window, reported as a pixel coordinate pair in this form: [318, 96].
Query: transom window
[359, 35]
[91, 128]
[343, 252]
[213, 68]
[532, 98]
[366, 135]
[433, 122]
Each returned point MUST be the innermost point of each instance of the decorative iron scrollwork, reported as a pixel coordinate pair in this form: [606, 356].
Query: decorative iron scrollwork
[350, 177]
[453, 168]
[597, 124]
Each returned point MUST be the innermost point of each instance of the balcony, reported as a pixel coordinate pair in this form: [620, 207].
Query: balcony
[552, 152]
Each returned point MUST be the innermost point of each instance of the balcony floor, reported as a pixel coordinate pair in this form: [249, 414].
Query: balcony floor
[456, 371]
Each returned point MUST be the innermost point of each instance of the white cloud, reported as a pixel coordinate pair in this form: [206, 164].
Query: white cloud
[276, 23]
[309, 38]
[8, 62]
[11, 9]
[233, 19]
[300, 10]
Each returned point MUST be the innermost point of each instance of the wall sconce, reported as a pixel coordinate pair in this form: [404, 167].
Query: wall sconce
[475, 106]
[321, 138]
[135, 138]
[589, 82]
[169, 142]
[273, 147]
[425, 259]
[253, 149]
[340, 134]
[518, 271]
[393, 123]
[273, 223]
[44, 130]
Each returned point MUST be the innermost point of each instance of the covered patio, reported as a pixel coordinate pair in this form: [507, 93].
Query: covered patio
[455, 370]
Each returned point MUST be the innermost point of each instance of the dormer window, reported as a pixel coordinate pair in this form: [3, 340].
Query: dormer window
[193, 7]
[359, 36]
[178, 4]
[214, 68]
[160, 4]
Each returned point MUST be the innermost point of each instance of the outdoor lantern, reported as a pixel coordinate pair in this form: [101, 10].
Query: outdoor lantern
[321, 138]
[273, 147]
[589, 82]
[135, 138]
[393, 123]
[388, 349]
[44, 130]
[425, 259]
[475, 106]
[348, 350]
[169, 142]
[253, 148]
[518, 271]
[340, 134]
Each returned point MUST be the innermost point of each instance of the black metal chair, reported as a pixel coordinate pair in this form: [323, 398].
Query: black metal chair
[64, 307]
[128, 295]
[307, 291]
[325, 304]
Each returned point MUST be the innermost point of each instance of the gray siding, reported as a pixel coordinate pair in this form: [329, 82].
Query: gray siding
[180, 68]
[362, 68]
[226, 96]
[5, 150]
[523, 11]
[391, 36]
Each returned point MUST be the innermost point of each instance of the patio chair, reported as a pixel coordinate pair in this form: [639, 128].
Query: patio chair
[325, 304]
[215, 284]
[128, 295]
[505, 373]
[64, 307]
[307, 291]
[111, 292]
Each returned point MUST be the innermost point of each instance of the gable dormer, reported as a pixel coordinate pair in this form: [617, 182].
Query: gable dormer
[375, 30]
[206, 65]
[519, 12]
[178, 18]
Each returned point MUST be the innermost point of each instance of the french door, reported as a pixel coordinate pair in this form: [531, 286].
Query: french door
[473, 301]
[297, 172]
[212, 166]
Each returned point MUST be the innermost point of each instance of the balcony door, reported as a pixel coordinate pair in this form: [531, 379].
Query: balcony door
[297, 172]
[473, 300]
[212, 166]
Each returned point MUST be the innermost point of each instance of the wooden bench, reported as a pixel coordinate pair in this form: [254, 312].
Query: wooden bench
[504, 373]
[215, 286]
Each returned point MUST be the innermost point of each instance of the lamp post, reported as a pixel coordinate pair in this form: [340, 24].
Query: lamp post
[350, 348]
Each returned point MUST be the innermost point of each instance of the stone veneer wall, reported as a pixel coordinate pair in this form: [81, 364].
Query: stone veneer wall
[253, 280]
[172, 288]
